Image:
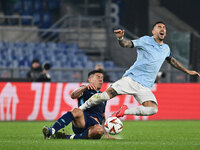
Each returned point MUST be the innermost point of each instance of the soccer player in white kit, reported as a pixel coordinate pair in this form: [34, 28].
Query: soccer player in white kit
[139, 78]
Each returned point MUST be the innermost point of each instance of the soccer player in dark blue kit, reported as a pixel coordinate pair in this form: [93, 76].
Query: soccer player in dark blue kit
[86, 124]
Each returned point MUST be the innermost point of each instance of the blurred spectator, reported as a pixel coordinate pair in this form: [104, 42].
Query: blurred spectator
[38, 73]
[106, 76]
[76, 76]
[5, 74]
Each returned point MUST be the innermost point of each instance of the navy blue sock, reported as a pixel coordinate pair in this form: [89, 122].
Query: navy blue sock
[83, 135]
[63, 121]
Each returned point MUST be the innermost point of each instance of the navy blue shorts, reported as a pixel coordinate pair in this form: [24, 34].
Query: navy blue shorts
[89, 121]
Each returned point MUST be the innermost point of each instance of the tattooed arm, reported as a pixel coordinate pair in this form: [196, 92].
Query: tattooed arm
[172, 61]
[79, 91]
[125, 43]
[122, 41]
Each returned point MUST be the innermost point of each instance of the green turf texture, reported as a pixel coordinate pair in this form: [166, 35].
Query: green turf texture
[136, 135]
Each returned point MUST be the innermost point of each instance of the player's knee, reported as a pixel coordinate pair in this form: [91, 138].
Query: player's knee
[96, 132]
[99, 130]
[77, 112]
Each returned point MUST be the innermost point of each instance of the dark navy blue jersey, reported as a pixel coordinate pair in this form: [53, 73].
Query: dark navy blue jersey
[96, 111]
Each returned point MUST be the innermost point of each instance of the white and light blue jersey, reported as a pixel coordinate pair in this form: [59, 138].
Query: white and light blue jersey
[150, 57]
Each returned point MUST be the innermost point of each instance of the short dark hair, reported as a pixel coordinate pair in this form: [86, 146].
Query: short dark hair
[35, 60]
[94, 71]
[157, 23]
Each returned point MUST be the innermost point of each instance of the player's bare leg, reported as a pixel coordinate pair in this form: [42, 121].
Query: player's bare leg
[150, 104]
[111, 92]
[79, 119]
[95, 132]
[76, 116]
[146, 109]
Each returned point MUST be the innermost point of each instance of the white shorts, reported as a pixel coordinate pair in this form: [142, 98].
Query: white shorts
[128, 86]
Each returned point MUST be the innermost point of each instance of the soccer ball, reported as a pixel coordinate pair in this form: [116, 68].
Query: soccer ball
[113, 125]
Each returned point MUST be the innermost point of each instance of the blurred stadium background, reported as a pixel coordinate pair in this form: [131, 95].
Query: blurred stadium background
[75, 35]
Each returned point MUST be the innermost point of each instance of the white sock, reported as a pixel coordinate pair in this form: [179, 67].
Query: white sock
[53, 131]
[141, 111]
[94, 100]
[72, 137]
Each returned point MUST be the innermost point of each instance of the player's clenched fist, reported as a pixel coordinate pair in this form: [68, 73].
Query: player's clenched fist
[119, 33]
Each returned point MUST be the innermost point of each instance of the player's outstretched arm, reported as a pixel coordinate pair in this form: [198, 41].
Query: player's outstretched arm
[177, 65]
[119, 33]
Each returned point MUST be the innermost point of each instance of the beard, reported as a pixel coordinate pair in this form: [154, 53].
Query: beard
[161, 37]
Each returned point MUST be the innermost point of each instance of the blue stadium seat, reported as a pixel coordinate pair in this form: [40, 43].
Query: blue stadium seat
[1, 45]
[109, 64]
[37, 16]
[37, 5]
[18, 6]
[62, 45]
[59, 55]
[113, 76]
[21, 62]
[19, 44]
[15, 63]
[47, 21]
[26, 21]
[67, 76]
[90, 65]
[83, 60]
[28, 6]
[22, 74]
[55, 76]
[41, 45]
[10, 45]
[73, 45]
[51, 45]
[30, 46]
[53, 5]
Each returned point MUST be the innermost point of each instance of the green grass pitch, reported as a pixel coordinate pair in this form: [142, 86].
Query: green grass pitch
[136, 135]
